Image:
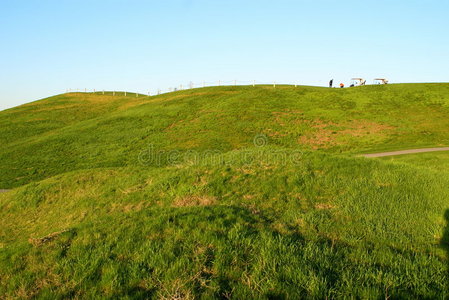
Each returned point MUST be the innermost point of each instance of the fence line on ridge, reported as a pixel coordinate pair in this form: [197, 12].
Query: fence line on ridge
[181, 87]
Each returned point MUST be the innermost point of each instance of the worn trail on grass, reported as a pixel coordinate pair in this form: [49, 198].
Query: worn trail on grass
[411, 151]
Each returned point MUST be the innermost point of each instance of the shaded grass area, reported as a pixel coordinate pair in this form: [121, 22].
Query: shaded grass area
[79, 131]
[445, 243]
[212, 252]
[324, 226]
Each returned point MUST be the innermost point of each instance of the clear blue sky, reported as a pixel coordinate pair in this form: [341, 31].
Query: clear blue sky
[49, 46]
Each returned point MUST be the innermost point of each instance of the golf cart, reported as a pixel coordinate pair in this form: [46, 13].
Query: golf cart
[380, 81]
[357, 82]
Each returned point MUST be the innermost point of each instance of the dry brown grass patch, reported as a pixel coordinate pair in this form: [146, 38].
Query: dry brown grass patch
[246, 170]
[199, 94]
[288, 116]
[40, 241]
[325, 134]
[324, 206]
[192, 200]
[133, 189]
[201, 181]
[134, 207]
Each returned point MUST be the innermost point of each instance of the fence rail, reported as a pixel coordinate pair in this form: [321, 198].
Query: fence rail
[181, 87]
[193, 85]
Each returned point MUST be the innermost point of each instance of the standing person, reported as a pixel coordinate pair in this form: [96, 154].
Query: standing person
[331, 83]
[342, 85]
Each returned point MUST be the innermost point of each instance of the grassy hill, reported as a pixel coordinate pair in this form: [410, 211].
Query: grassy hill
[225, 192]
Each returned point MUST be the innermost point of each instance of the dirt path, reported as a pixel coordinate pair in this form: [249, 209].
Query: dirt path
[3, 191]
[411, 151]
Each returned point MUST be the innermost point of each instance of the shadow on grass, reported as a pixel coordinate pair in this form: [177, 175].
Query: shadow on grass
[445, 244]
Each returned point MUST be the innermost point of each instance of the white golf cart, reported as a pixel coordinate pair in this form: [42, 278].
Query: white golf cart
[357, 82]
[380, 81]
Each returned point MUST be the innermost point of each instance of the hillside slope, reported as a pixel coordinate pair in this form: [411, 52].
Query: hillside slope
[226, 192]
[247, 228]
[44, 139]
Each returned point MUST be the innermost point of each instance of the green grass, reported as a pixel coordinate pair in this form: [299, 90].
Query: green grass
[43, 139]
[435, 160]
[208, 214]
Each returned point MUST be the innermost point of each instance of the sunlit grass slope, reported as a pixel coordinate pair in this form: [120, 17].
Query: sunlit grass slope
[438, 161]
[78, 131]
[226, 192]
[323, 226]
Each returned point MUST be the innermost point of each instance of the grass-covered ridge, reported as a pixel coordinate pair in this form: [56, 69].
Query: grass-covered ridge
[221, 214]
[44, 138]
